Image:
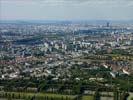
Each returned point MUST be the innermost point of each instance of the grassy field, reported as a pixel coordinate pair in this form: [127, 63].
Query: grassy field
[130, 96]
[37, 96]
[87, 98]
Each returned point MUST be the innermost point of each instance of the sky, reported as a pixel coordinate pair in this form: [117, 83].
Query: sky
[66, 9]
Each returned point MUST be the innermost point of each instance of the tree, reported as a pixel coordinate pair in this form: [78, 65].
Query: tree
[97, 95]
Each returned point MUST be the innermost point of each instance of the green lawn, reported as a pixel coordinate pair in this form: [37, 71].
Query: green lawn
[38, 96]
[87, 98]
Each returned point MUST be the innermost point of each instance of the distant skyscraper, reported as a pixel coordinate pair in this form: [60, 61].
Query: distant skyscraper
[107, 24]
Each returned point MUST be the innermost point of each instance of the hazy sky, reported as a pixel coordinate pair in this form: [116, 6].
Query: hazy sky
[66, 9]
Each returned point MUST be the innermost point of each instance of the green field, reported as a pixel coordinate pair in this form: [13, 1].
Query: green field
[37, 96]
[87, 98]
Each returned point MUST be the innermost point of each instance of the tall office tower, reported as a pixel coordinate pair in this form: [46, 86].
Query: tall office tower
[108, 24]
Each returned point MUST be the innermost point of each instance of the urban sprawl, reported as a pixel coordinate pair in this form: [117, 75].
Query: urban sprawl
[66, 61]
